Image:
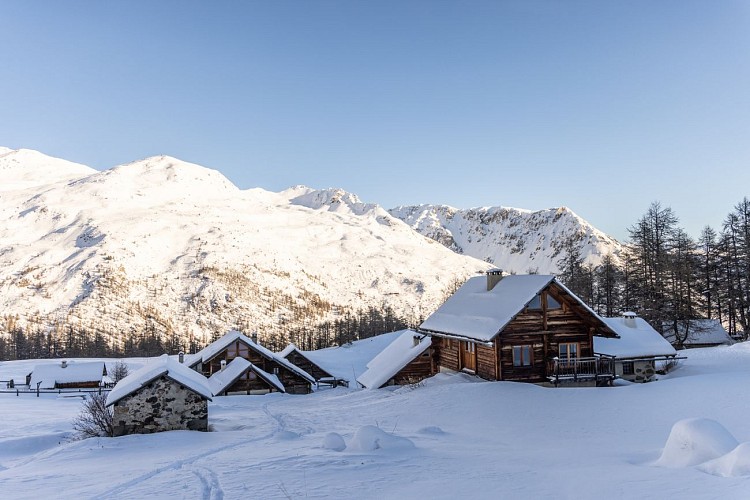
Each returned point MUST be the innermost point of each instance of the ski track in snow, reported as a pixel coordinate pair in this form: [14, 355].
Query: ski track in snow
[209, 479]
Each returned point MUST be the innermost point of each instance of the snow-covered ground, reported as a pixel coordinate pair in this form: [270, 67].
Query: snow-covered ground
[454, 436]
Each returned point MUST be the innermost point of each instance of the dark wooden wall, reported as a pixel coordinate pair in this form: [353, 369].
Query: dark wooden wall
[419, 368]
[293, 383]
[302, 362]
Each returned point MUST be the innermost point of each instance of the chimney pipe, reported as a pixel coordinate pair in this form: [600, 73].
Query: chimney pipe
[629, 318]
[493, 278]
[416, 339]
[254, 337]
[64, 364]
[181, 357]
[223, 364]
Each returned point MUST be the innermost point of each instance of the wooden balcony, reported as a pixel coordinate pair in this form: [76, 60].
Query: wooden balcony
[598, 369]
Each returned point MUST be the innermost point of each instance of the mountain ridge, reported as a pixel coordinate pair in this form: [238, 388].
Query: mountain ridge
[175, 248]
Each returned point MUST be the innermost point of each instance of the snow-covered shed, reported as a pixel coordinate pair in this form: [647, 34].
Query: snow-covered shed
[640, 352]
[236, 345]
[406, 360]
[527, 328]
[67, 374]
[689, 334]
[311, 363]
[240, 376]
[163, 395]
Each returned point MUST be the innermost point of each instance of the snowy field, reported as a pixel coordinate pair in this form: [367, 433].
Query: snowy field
[451, 437]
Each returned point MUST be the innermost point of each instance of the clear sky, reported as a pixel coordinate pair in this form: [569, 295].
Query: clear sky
[601, 106]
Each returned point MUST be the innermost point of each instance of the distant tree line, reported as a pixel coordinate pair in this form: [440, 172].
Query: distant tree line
[669, 278]
[35, 340]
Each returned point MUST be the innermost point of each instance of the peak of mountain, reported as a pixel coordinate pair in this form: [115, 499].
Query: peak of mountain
[26, 168]
[513, 239]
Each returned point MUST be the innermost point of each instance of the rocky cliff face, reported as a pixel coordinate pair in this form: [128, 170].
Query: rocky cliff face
[514, 240]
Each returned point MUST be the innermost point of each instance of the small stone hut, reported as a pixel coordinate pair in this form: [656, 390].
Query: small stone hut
[164, 395]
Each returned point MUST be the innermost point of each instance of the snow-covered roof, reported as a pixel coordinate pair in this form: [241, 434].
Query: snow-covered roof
[221, 380]
[347, 361]
[49, 374]
[163, 365]
[216, 347]
[637, 339]
[700, 331]
[314, 357]
[393, 359]
[477, 313]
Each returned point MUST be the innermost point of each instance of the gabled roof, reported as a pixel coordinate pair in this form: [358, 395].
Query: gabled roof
[163, 365]
[393, 359]
[700, 332]
[311, 356]
[474, 312]
[220, 381]
[50, 374]
[637, 339]
[215, 348]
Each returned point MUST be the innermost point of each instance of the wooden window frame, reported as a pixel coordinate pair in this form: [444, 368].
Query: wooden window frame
[568, 357]
[525, 356]
[628, 368]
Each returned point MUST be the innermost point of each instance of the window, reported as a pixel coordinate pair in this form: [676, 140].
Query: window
[522, 355]
[628, 368]
[568, 351]
[536, 303]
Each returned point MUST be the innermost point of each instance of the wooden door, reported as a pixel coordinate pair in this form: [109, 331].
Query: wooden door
[468, 356]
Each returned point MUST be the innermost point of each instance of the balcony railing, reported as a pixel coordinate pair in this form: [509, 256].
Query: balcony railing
[597, 368]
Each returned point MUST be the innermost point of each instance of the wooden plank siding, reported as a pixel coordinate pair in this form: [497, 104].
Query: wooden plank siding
[293, 383]
[418, 369]
[302, 362]
[446, 353]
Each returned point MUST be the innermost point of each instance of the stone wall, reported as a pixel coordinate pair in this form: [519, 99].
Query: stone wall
[162, 405]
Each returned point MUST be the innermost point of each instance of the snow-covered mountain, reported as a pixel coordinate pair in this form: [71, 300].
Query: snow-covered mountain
[514, 240]
[171, 246]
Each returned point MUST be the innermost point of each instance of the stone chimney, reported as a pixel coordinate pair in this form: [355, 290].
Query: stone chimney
[254, 337]
[628, 318]
[493, 278]
[181, 356]
[223, 364]
[64, 364]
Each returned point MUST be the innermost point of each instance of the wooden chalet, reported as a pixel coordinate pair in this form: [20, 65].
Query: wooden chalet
[406, 360]
[527, 328]
[234, 344]
[67, 375]
[240, 376]
[313, 366]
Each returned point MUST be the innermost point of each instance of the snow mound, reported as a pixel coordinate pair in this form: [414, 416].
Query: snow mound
[286, 435]
[432, 430]
[734, 464]
[694, 441]
[370, 438]
[334, 441]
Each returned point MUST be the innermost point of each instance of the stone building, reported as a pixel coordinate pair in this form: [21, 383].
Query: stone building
[164, 395]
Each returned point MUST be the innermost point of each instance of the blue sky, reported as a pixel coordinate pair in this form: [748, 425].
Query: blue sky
[601, 106]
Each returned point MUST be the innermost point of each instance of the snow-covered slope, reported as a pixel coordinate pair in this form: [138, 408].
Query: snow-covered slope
[23, 168]
[454, 436]
[512, 239]
[175, 246]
